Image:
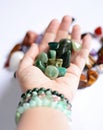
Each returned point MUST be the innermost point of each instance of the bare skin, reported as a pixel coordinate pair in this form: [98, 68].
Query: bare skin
[30, 76]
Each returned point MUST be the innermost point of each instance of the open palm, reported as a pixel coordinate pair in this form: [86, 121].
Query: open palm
[30, 76]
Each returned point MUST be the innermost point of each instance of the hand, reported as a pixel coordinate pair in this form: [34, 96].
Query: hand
[30, 76]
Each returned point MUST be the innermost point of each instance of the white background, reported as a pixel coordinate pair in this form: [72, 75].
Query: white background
[19, 16]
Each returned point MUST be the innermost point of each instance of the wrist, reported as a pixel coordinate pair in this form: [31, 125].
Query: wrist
[43, 118]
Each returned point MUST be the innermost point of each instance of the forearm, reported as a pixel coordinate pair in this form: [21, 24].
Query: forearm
[43, 118]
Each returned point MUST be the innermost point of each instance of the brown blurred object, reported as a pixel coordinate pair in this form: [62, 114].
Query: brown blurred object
[83, 82]
[92, 76]
[101, 40]
[90, 62]
[29, 38]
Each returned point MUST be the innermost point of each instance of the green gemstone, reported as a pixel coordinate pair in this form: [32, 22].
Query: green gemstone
[55, 93]
[34, 93]
[76, 46]
[23, 96]
[46, 102]
[29, 91]
[40, 65]
[41, 89]
[32, 103]
[17, 117]
[66, 59]
[52, 54]
[52, 72]
[53, 45]
[51, 61]
[20, 109]
[43, 57]
[41, 92]
[62, 71]
[35, 89]
[61, 96]
[59, 62]
[64, 46]
[26, 106]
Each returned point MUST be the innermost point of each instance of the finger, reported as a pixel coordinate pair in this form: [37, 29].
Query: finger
[76, 36]
[49, 35]
[82, 56]
[29, 57]
[76, 33]
[75, 69]
[63, 29]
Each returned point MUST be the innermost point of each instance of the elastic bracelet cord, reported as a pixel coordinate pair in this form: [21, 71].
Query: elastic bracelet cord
[41, 97]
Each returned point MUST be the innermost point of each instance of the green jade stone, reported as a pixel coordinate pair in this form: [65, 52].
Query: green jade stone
[66, 59]
[43, 57]
[40, 65]
[52, 72]
[62, 71]
[59, 62]
[76, 46]
[17, 117]
[51, 61]
[55, 62]
[64, 46]
[53, 45]
[52, 54]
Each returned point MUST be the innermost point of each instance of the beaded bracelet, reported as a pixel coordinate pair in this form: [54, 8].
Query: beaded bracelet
[41, 97]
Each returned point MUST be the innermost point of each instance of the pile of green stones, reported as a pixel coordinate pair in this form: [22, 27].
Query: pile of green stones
[55, 62]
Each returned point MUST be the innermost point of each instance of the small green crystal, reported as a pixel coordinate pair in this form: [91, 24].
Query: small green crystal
[53, 45]
[43, 57]
[76, 46]
[62, 71]
[40, 65]
[52, 54]
[52, 72]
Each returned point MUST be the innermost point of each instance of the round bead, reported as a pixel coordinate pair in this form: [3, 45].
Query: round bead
[52, 72]
[15, 60]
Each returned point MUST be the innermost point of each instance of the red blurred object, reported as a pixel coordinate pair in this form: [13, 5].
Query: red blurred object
[98, 31]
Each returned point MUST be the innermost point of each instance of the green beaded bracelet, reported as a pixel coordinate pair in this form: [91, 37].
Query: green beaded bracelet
[43, 98]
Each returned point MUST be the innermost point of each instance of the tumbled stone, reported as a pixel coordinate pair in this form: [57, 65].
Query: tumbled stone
[99, 68]
[101, 40]
[93, 52]
[40, 65]
[64, 46]
[66, 59]
[15, 59]
[43, 57]
[52, 72]
[62, 71]
[90, 62]
[100, 59]
[52, 54]
[92, 76]
[53, 45]
[29, 38]
[24, 48]
[100, 52]
[17, 47]
[51, 61]
[39, 39]
[76, 46]
[59, 62]
[98, 31]
[83, 82]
